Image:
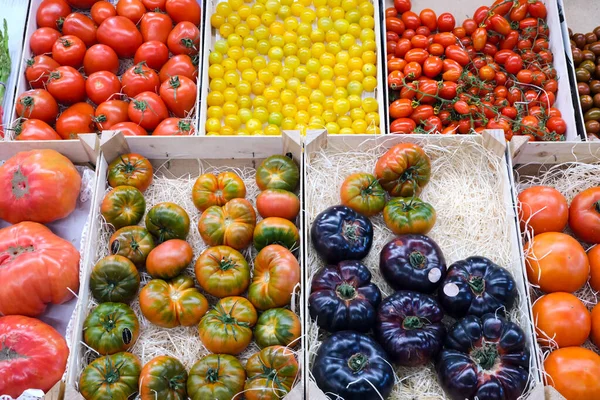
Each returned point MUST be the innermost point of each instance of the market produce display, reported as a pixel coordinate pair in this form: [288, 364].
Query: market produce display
[282, 64]
[417, 325]
[585, 49]
[168, 296]
[128, 65]
[494, 70]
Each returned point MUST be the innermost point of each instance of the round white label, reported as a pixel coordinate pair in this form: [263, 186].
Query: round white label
[451, 290]
[434, 275]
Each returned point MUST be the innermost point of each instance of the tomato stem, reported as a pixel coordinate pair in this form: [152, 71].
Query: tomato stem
[597, 206]
[417, 260]
[346, 291]
[486, 355]
[7, 353]
[412, 322]
[357, 362]
[477, 284]
[19, 184]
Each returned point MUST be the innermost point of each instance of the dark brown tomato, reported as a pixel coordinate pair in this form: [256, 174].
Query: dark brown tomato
[590, 38]
[592, 127]
[577, 56]
[588, 55]
[583, 75]
[597, 100]
[594, 86]
[588, 65]
[579, 39]
[583, 88]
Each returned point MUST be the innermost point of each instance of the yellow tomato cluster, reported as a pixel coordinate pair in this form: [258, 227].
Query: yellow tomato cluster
[293, 65]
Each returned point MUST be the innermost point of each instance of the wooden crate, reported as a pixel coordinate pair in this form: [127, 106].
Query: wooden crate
[344, 147]
[173, 159]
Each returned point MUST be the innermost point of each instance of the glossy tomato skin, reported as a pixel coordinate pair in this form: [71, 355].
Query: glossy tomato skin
[37, 104]
[278, 172]
[216, 376]
[100, 57]
[138, 79]
[38, 347]
[31, 180]
[216, 190]
[403, 170]
[123, 206]
[277, 327]
[573, 371]
[483, 357]
[227, 327]
[271, 373]
[69, 51]
[114, 279]
[180, 64]
[169, 259]
[179, 95]
[556, 263]
[275, 276]
[595, 332]
[238, 234]
[340, 233]
[110, 328]
[130, 169]
[93, 383]
[43, 39]
[278, 203]
[222, 271]
[561, 320]
[129, 128]
[274, 230]
[409, 215]
[172, 303]
[38, 70]
[78, 118]
[131, 9]
[163, 377]
[477, 286]
[156, 26]
[121, 35]
[147, 110]
[409, 327]
[184, 38]
[363, 193]
[347, 357]
[133, 242]
[34, 129]
[49, 13]
[155, 54]
[184, 10]
[543, 209]
[82, 26]
[344, 298]
[102, 10]
[101, 86]
[66, 85]
[166, 221]
[594, 259]
[584, 215]
[174, 127]
[413, 262]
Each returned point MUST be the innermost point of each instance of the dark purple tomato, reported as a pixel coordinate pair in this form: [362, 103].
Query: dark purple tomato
[577, 56]
[484, 358]
[583, 88]
[343, 298]
[592, 127]
[579, 39]
[409, 327]
[412, 262]
[586, 102]
[588, 55]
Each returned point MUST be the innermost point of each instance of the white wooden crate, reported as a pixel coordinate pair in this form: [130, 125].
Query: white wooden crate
[174, 159]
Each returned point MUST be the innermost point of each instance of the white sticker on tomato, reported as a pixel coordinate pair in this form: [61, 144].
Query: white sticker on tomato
[451, 290]
[434, 275]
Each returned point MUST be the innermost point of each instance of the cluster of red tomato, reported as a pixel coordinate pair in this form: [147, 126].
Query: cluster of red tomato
[142, 100]
[558, 265]
[495, 71]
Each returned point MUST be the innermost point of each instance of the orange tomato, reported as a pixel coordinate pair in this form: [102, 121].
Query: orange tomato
[574, 372]
[543, 209]
[556, 263]
[595, 334]
[594, 259]
[561, 318]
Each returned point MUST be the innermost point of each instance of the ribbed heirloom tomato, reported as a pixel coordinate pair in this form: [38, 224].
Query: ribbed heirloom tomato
[222, 271]
[216, 376]
[216, 190]
[163, 377]
[231, 225]
[123, 206]
[271, 373]
[130, 169]
[278, 203]
[169, 259]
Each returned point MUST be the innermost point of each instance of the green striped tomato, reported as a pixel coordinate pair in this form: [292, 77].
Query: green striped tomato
[277, 326]
[114, 278]
[163, 377]
[216, 377]
[111, 328]
[113, 377]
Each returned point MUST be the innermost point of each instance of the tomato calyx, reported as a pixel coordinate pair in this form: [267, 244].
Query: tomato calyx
[212, 374]
[19, 183]
[597, 206]
[485, 356]
[345, 291]
[357, 362]
[351, 232]
[59, 23]
[412, 322]
[184, 126]
[195, 60]
[417, 260]
[7, 353]
[139, 69]
[226, 264]
[65, 42]
[188, 43]
[175, 83]
[176, 382]
[100, 118]
[477, 284]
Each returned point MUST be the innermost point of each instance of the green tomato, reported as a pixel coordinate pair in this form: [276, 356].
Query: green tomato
[277, 326]
[278, 172]
[123, 206]
[216, 377]
[409, 215]
[114, 278]
[113, 377]
[167, 221]
[111, 328]
[163, 377]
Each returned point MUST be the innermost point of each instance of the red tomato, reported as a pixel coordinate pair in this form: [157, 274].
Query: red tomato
[530, 125]
[121, 35]
[457, 54]
[129, 128]
[110, 113]
[445, 39]
[470, 25]
[416, 55]
[513, 64]
[391, 12]
[102, 10]
[448, 90]
[43, 39]
[183, 10]
[594, 258]
[154, 4]
[156, 26]
[179, 65]
[537, 9]
[396, 64]
[428, 89]
[419, 41]
[69, 50]
[436, 49]
[519, 11]
[395, 79]
[479, 38]
[459, 32]
[100, 57]
[391, 36]
[432, 66]
[174, 127]
[401, 108]
[131, 9]
[147, 110]
[542, 209]
[411, 20]
[155, 54]
[402, 47]
[83, 27]
[139, 78]
[409, 33]
[179, 95]
[423, 30]
[452, 70]
[500, 24]
[402, 6]
[487, 73]
[412, 71]
[584, 215]
[429, 19]
[562, 319]
[433, 124]
[403, 125]
[481, 14]
[525, 76]
[556, 124]
[461, 107]
[50, 11]
[101, 86]
[34, 129]
[394, 24]
[37, 104]
[38, 69]
[66, 85]
[79, 118]
[515, 95]
[184, 39]
[421, 113]
[509, 111]
[85, 4]
[446, 22]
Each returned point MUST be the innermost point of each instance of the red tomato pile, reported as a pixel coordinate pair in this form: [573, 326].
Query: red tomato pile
[495, 71]
[77, 59]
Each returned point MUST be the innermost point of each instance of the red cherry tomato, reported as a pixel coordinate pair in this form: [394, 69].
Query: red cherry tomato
[513, 64]
[429, 19]
[402, 6]
[401, 108]
[457, 54]
[500, 24]
[411, 20]
[394, 24]
[403, 125]
[479, 38]
[432, 66]
[446, 22]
